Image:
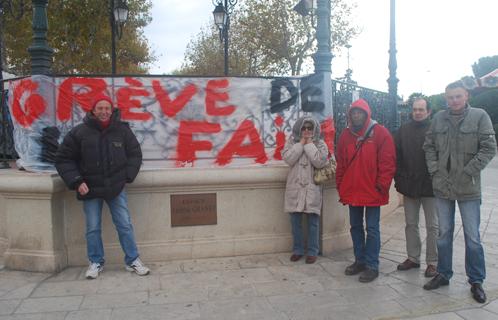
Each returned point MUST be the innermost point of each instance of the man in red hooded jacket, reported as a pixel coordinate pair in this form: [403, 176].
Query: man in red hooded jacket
[366, 163]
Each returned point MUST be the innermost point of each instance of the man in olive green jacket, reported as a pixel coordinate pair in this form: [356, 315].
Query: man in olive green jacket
[459, 144]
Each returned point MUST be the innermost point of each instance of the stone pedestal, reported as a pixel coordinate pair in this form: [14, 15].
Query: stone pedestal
[3, 226]
[43, 225]
[33, 213]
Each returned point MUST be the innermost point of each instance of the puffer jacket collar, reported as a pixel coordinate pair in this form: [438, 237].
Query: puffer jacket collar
[92, 121]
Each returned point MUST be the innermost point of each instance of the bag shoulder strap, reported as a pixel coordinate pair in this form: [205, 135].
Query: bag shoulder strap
[358, 147]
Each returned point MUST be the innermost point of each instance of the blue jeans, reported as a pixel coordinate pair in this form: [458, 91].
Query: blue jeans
[366, 252]
[470, 211]
[121, 219]
[297, 233]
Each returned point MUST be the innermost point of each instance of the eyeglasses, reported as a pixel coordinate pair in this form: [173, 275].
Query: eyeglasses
[307, 128]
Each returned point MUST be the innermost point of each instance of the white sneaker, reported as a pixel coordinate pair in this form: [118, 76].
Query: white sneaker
[138, 267]
[93, 270]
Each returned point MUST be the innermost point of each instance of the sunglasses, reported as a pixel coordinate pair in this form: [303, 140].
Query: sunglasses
[307, 128]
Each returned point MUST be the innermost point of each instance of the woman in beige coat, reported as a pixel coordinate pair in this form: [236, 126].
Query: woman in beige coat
[303, 152]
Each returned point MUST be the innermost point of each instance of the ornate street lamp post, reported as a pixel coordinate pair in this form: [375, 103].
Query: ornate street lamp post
[5, 6]
[393, 65]
[349, 72]
[322, 9]
[118, 15]
[221, 14]
[323, 55]
[41, 53]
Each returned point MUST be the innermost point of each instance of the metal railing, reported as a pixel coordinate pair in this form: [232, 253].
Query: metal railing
[7, 151]
[381, 104]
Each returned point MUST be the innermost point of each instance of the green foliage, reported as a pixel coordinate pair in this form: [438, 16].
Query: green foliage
[488, 100]
[204, 55]
[484, 66]
[266, 38]
[437, 102]
[485, 98]
[417, 95]
[79, 32]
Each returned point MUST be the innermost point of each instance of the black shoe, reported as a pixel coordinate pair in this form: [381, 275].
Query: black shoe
[311, 259]
[436, 282]
[478, 293]
[295, 257]
[407, 265]
[355, 268]
[368, 275]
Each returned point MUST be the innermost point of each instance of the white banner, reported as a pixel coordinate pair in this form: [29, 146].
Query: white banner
[179, 122]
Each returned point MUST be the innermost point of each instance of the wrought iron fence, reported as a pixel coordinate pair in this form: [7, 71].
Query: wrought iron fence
[7, 151]
[381, 104]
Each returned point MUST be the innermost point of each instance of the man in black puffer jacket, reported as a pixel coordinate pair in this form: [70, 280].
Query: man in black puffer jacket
[97, 158]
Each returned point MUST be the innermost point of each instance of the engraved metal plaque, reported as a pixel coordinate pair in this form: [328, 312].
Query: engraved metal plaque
[193, 209]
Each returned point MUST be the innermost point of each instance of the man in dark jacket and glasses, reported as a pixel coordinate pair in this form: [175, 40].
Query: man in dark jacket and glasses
[97, 158]
[413, 181]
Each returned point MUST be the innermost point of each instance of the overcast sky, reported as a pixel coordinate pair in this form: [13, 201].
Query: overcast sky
[437, 40]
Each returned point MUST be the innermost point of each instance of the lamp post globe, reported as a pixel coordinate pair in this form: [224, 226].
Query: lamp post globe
[220, 16]
[121, 13]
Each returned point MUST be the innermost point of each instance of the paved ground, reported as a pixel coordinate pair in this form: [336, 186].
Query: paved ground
[263, 286]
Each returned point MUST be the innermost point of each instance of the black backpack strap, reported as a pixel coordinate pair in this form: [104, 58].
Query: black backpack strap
[358, 146]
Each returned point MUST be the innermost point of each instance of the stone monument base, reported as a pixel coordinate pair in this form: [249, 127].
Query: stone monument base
[42, 225]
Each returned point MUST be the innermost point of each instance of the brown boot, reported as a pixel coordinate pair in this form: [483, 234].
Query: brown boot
[431, 271]
[407, 265]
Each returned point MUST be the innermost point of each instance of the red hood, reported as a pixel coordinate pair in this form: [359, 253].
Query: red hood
[363, 105]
